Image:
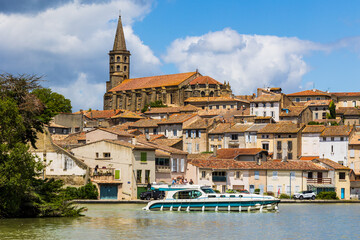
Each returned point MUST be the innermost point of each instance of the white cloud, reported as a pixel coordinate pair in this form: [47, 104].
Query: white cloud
[75, 37]
[82, 93]
[247, 61]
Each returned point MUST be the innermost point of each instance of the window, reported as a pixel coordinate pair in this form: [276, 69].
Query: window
[162, 161]
[146, 130]
[125, 67]
[290, 146]
[219, 146]
[272, 114]
[290, 156]
[278, 145]
[174, 165]
[138, 176]
[125, 58]
[332, 139]
[316, 115]
[345, 103]
[187, 133]
[232, 106]
[155, 131]
[341, 138]
[297, 99]
[256, 175]
[118, 68]
[224, 106]
[279, 156]
[234, 137]
[354, 103]
[219, 138]
[275, 175]
[292, 175]
[271, 104]
[212, 137]
[238, 174]
[310, 175]
[198, 134]
[143, 157]
[210, 107]
[147, 176]
[264, 114]
[106, 155]
[197, 147]
[324, 139]
[308, 99]
[188, 194]
[97, 155]
[118, 59]
[352, 153]
[68, 163]
[217, 107]
[332, 148]
[203, 174]
[270, 188]
[317, 98]
[265, 146]
[342, 175]
[175, 132]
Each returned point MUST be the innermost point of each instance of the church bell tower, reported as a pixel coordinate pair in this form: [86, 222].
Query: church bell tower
[119, 59]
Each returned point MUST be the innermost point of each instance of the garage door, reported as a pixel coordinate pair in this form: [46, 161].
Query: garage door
[108, 191]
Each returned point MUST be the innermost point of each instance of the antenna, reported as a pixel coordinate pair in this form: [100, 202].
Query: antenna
[119, 12]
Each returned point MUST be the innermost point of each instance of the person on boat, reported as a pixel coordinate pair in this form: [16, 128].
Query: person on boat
[185, 181]
[173, 181]
[148, 186]
[191, 182]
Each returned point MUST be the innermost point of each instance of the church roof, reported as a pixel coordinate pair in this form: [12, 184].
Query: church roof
[152, 82]
[119, 43]
[204, 80]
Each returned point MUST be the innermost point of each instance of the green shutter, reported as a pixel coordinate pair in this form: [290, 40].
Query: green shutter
[117, 174]
[143, 157]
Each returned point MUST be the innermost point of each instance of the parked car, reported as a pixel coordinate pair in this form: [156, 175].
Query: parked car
[153, 194]
[305, 194]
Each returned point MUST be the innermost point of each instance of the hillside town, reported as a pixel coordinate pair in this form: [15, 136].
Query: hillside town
[190, 128]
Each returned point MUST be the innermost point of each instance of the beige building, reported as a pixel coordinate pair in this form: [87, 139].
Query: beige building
[216, 136]
[309, 95]
[174, 125]
[235, 135]
[124, 169]
[283, 140]
[348, 115]
[195, 135]
[346, 99]
[296, 114]
[354, 153]
[108, 133]
[216, 103]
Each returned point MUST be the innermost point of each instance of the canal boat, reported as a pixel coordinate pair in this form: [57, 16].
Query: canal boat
[204, 198]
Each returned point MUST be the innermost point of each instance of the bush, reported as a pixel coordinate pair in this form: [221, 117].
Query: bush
[230, 191]
[217, 191]
[257, 191]
[327, 195]
[269, 194]
[89, 191]
[284, 196]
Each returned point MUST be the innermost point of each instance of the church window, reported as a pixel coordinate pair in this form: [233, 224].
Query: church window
[125, 58]
[211, 94]
[112, 59]
[118, 59]
[125, 67]
[217, 107]
[203, 94]
[117, 68]
[112, 68]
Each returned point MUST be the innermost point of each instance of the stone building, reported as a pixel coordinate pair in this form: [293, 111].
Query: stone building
[134, 94]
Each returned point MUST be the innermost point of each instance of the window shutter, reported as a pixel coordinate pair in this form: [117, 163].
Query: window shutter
[182, 165]
[187, 133]
[352, 153]
[117, 174]
[143, 157]
[199, 134]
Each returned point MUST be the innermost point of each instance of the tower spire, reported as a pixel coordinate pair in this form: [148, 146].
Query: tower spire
[119, 43]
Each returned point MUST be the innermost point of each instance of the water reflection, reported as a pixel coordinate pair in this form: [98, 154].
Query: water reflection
[120, 221]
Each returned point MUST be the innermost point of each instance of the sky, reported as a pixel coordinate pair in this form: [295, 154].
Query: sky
[295, 45]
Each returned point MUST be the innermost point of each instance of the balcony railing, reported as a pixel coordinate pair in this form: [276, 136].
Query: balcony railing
[319, 181]
[218, 179]
[102, 174]
[163, 169]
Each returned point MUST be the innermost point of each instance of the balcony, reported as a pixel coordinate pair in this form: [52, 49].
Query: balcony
[162, 169]
[218, 178]
[319, 181]
[103, 174]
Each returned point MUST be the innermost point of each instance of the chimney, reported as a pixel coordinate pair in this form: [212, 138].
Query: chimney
[215, 151]
[133, 141]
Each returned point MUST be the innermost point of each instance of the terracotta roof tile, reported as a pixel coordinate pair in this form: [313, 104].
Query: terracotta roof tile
[269, 165]
[346, 94]
[72, 139]
[355, 139]
[152, 82]
[128, 114]
[331, 163]
[204, 80]
[267, 98]
[189, 108]
[293, 111]
[238, 128]
[95, 114]
[200, 124]
[143, 123]
[212, 99]
[177, 118]
[314, 92]
[153, 137]
[348, 111]
[163, 110]
[167, 142]
[308, 158]
[282, 127]
[333, 131]
[313, 129]
[231, 153]
[255, 127]
[318, 103]
[115, 131]
[163, 147]
[220, 128]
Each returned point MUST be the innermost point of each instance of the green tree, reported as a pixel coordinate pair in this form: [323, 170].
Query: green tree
[332, 114]
[156, 104]
[54, 103]
[22, 192]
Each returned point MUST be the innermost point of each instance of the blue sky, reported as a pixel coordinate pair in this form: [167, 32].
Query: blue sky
[292, 44]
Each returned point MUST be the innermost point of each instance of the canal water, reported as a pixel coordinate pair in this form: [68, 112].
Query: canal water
[128, 221]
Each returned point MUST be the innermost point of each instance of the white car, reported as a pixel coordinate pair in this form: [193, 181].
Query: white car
[305, 194]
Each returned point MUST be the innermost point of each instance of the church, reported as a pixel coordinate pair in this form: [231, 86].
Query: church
[123, 92]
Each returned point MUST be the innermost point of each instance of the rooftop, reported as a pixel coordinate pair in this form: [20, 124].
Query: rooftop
[238, 128]
[282, 127]
[331, 163]
[204, 80]
[268, 98]
[177, 118]
[231, 153]
[200, 124]
[346, 94]
[220, 128]
[211, 99]
[314, 92]
[143, 123]
[152, 82]
[333, 131]
[313, 129]
[293, 111]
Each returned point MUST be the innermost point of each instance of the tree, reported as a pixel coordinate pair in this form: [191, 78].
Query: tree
[332, 114]
[54, 103]
[22, 192]
[156, 104]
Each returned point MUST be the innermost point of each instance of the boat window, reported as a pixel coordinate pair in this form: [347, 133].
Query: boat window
[232, 195]
[222, 196]
[208, 190]
[211, 196]
[240, 196]
[190, 194]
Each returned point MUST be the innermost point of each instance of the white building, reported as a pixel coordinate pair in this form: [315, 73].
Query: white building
[310, 140]
[334, 142]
